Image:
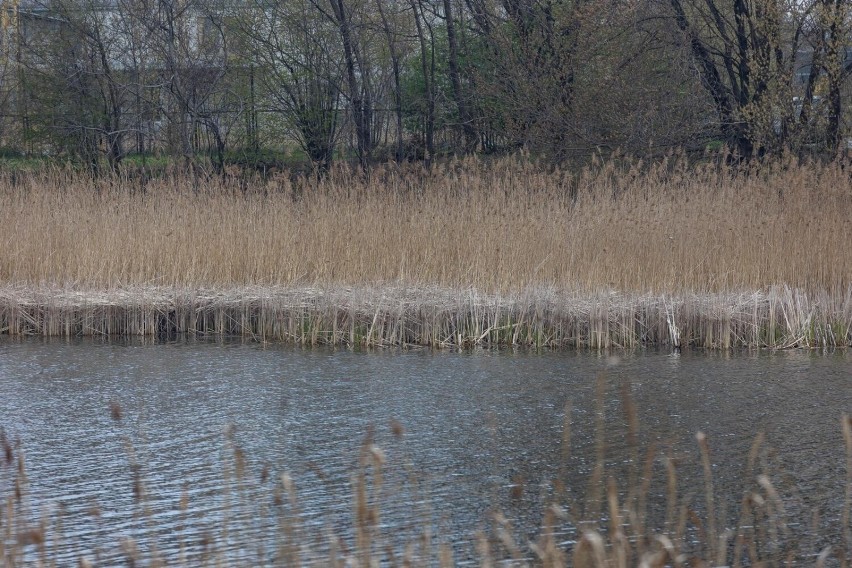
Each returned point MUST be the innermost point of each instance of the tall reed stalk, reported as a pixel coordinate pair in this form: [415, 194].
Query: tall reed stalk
[546, 257]
[497, 227]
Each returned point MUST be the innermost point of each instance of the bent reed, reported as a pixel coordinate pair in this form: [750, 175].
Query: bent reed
[435, 317]
[620, 253]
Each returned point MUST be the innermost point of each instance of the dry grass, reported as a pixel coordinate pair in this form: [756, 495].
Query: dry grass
[636, 512]
[436, 317]
[500, 227]
[621, 254]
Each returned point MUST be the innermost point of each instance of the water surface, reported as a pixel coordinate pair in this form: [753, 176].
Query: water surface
[482, 430]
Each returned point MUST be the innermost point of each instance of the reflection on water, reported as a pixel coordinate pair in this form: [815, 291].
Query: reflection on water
[482, 429]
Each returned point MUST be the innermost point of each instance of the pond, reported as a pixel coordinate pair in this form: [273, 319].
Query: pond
[145, 441]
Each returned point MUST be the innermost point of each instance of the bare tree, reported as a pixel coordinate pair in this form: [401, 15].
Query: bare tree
[298, 63]
[830, 58]
[358, 90]
[427, 65]
[746, 54]
[393, 43]
[8, 53]
[189, 47]
[465, 116]
[74, 60]
[98, 79]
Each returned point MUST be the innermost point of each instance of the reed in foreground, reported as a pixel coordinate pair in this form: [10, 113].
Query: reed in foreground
[635, 514]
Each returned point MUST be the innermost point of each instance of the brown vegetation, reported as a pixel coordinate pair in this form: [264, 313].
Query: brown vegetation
[502, 244]
[436, 317]
[498, 228]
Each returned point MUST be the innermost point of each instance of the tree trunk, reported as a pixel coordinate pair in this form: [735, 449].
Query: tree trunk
[397, 90]
[429, 125]
[735, 133]
[470, 136]
[356, 100]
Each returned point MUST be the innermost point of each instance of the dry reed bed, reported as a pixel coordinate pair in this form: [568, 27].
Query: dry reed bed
[753, 258]
[495, 227]
[436, 317]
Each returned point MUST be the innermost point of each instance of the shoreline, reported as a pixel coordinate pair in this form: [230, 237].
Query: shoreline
[779, 317]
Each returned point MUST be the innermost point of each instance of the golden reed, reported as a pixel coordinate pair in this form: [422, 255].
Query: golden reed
[618, 253]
